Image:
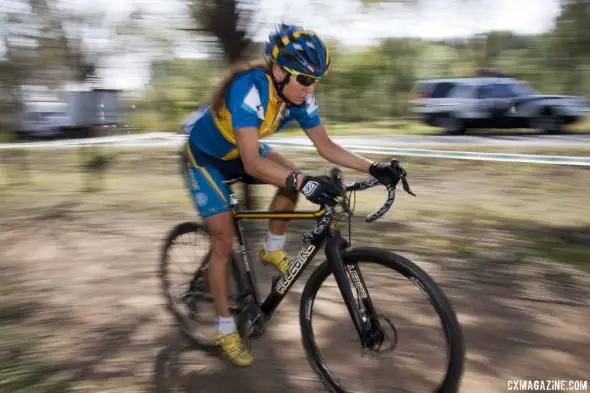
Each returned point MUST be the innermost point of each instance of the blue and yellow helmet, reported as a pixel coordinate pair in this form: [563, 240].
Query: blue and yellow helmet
[298, 50]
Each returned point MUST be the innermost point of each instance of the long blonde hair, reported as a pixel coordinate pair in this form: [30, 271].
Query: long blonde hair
[235, 71]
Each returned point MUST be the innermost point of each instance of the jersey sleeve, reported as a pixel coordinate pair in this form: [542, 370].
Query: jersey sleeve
[244, 103]
[192, 118]
[309, 116]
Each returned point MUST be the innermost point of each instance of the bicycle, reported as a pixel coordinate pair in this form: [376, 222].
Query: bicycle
[253, 312]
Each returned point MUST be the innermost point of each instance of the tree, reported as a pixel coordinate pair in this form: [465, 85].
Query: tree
[571, 43]
[229, 21]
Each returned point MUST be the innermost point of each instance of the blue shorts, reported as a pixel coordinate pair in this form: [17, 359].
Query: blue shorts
[204, 176]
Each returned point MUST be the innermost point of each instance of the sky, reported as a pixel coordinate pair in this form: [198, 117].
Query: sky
[337, 19]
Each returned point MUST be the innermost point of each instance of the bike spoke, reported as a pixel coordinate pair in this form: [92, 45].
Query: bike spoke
[186, 286]
[402, 333]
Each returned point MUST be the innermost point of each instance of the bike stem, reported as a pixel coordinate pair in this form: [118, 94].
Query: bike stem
[334, 244]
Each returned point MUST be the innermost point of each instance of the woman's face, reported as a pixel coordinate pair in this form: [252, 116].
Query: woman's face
[294, 91]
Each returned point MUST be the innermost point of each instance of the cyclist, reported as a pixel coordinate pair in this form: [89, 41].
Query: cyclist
[254, 101]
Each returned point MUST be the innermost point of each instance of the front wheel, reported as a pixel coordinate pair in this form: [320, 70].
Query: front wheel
[398, 325]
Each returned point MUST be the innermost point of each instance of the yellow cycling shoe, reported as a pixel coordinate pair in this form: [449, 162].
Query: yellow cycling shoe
[277, 258]
[232, 346]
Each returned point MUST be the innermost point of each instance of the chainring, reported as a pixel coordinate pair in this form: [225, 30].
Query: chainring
[251, 323]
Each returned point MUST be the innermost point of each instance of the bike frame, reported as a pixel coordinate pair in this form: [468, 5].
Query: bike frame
[335, 244]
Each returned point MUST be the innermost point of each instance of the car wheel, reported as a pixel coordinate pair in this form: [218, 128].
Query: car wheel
[547, 121]
[452, 125]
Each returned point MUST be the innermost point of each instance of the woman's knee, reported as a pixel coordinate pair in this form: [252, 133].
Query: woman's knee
[290, 195]
[221, 233]
[221, 242]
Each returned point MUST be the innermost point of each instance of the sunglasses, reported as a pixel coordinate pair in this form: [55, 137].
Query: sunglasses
[303, 79]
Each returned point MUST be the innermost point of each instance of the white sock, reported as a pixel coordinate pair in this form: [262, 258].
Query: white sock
[226, 325]
[274, 242]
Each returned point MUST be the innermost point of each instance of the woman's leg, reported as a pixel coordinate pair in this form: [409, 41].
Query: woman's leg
[283, 199]
[220, 227]
[211, 196]
[273, 251]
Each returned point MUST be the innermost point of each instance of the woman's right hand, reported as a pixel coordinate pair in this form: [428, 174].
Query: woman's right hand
[320, 189]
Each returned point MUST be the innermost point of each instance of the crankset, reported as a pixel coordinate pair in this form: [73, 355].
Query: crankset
[251, 323]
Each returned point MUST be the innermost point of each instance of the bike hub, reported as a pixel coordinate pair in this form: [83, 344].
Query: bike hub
[381, 337]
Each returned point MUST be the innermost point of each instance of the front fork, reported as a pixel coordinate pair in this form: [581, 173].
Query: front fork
[335, 243]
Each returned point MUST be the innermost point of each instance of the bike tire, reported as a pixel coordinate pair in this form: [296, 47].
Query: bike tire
[177, 309]
[442, 305]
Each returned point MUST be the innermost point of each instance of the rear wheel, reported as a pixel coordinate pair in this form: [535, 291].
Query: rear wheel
[185, 281]
[547, 120]
[411, 356]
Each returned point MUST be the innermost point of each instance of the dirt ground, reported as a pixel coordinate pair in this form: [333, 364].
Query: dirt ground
[81, 308]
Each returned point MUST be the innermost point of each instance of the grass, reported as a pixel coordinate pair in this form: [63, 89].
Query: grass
[20, 369]
[468, 222]
[6, 137]
[460, 203]
[581, 126]
[379, 127]
[401, 126]
[31, 377]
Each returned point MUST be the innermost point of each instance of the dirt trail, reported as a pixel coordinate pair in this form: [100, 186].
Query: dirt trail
[81, 308]
[92, 294]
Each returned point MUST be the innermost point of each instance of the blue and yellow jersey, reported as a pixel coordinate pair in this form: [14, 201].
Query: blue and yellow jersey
[249, 102]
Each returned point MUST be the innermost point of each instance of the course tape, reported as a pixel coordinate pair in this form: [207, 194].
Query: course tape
[462, 155]
[163, 139]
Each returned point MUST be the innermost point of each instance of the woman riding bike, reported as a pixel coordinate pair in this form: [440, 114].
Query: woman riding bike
[253, 102]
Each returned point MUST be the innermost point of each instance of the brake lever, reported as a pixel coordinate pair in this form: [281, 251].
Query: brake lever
[336, 175]
[406, 186]
[402, 174]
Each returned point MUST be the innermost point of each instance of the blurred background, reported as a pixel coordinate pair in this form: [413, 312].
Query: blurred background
[163, 58]
[83, 219]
